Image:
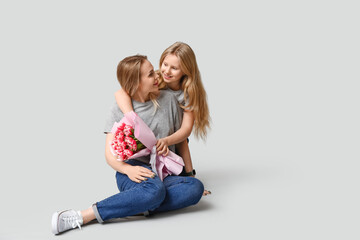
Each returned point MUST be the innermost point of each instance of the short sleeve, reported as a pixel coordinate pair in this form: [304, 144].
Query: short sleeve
[186, 102]
[176, 110]
[178, 116]
[115, 115]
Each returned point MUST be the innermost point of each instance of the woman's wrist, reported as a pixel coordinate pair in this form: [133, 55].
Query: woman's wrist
[125, 168]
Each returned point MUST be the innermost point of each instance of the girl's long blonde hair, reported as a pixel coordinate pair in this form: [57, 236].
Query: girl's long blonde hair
[191, 84]
[129, 73]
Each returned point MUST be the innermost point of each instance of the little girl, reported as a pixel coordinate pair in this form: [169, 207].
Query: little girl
[179, 73]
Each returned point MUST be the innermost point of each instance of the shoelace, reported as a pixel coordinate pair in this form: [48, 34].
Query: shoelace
[73, 221]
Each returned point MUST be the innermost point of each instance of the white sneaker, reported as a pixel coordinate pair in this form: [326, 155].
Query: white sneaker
[65, 220]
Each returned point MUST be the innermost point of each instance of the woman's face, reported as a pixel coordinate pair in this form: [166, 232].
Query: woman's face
[170, 69]
[148, 79]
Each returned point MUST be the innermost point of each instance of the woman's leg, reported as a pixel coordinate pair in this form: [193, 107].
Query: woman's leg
[190, 196]
[88, 215]
[181, 192]
[133, 198]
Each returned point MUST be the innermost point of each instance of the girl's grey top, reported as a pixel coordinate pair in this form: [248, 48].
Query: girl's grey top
[179, 94]
[163, 122]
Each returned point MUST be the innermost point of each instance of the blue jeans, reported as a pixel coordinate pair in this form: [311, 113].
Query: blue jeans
[153, 195]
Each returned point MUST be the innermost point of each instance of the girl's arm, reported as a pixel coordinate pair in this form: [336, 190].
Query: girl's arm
[123, 100]
[135, 173]
[183, 150]
[179, 136]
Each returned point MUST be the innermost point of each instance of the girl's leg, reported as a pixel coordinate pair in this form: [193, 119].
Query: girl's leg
[181, 192]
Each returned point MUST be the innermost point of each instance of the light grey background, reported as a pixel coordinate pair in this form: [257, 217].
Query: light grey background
[282, 79]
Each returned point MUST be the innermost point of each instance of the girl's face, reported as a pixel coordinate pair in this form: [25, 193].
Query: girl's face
[170, 70]
[148, 79]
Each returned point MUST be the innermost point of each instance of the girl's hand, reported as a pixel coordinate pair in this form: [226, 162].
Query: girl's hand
[162, 147]
[139, 174]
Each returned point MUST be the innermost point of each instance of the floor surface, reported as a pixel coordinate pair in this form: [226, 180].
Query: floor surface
[258, 198]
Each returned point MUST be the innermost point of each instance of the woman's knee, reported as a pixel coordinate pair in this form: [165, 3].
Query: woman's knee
[197, 189]
[154, 193]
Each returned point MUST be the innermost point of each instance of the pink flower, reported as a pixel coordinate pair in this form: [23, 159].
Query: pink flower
[131, 143]
[119, 135]
[133, 146]
[124, 144]
[128, 140]
[119, 148]
[128, 153]
[122, 155]
[128, 130]
[122, 126]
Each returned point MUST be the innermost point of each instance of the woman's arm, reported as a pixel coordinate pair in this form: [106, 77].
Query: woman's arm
[179, 136]
[135, 173]
[119, 166]
[123, 100]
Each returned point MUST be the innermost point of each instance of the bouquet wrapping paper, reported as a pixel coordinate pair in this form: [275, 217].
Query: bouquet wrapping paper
[172, 164]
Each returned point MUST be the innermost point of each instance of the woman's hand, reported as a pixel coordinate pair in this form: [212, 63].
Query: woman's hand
[138, 173]
[162, 146]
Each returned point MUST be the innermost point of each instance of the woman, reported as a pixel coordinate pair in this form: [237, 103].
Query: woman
[140, 189]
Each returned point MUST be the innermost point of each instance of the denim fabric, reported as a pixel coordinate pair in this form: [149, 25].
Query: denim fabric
[153, 195]
[181, 192]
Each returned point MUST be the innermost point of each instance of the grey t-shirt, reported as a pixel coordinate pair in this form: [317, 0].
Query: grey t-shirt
[179, 94]
[163, 122]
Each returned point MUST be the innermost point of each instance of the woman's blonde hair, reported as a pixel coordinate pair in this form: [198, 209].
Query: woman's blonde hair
[129, 74]
[191, 84]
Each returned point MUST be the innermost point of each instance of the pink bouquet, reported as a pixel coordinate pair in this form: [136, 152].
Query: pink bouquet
[133, 139]
[125, 144]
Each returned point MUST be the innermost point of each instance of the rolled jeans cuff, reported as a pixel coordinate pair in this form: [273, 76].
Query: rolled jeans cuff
[96, 212]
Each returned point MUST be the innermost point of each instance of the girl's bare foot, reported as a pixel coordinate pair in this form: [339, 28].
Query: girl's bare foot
[206, 192]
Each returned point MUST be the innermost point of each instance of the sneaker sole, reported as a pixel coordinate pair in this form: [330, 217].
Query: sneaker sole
[54, 223]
